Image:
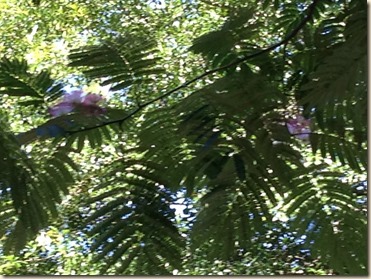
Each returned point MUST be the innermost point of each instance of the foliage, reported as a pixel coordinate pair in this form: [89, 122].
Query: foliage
[199, 117]
[57, 251]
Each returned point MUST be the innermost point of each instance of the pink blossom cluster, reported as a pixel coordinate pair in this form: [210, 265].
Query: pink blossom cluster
[299, 127]
[79, 102]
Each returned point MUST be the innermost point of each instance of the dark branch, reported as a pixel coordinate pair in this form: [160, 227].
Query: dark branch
[287, 39]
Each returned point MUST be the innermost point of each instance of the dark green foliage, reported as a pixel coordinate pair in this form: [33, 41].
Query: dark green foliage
[132, 224]
[333, 211]
[16, 80]
[225, 145]
[336, 87]
[235, 31]
[123, 63]
[33, 191]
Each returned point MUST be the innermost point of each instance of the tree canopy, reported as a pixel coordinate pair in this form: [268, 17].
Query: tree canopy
[183, 137]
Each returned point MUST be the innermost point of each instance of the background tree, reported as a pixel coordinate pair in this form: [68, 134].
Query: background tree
[248, 115]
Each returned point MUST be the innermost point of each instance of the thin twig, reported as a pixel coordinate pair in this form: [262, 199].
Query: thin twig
[309, 15]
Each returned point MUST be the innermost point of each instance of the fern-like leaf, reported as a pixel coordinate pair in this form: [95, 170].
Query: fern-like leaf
[16, 80]
[133, 222]
[122, 63]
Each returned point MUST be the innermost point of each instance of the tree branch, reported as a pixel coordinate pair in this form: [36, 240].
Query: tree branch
[309, 14]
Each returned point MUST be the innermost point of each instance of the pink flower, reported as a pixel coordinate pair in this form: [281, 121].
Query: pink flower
[78, 101]
[61, 108]
[92, 99]
[75, 96]
[91, 109]
[89, 105]
[299, 127]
